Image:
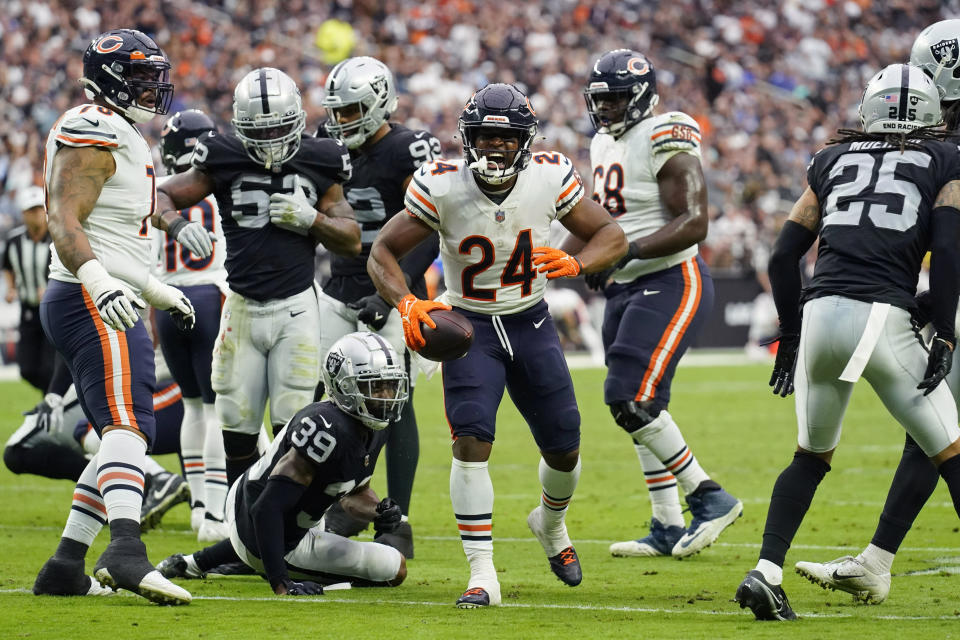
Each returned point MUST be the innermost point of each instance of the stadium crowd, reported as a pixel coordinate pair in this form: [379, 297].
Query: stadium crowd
[763, 79]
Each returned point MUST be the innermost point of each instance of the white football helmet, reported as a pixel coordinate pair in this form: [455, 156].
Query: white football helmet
[898, 99]
[937, 51]
[366, 379]
[367, 83]
[268, 116]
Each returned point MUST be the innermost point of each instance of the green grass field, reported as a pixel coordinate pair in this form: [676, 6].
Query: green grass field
[743, 437]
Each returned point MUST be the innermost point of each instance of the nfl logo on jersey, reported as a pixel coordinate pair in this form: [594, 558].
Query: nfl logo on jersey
[500, 215]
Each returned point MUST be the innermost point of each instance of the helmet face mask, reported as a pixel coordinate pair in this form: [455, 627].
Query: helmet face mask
[360, 96]
[179, 137]
[497, 112]
[268, 116]
[621, 91]
[365, 379]
[130, 72]
[898, 99]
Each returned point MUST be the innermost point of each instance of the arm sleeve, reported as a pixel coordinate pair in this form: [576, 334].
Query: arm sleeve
[418, 201]
[571, 188]
[280, 495]
[945, 270]
[784, 271]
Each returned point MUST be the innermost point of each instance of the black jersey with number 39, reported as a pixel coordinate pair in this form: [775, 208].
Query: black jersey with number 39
[376, 191]
[876, 206]
[343, 452]
[265, 262]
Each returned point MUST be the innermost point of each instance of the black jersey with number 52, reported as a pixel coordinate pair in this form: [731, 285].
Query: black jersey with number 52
[265, 262]
[343, 453]
[376, 191]
[876, 206]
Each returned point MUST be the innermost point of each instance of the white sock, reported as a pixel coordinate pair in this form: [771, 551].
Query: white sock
[471, 494]
[558, 488]
[192, 435]
[662, 487]
[663, 438]
[771, 572]
[88, 514]
[151, 467]
[91, 441]
[215, 465]
[876, 559]
[120, 473]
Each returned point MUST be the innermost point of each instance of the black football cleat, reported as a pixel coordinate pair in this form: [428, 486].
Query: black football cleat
[767, 601]
[61, 577]
[176, 566]
[473, 599]
[124, 565]
[233, 569]
[161, 492]
[566, 566]
[401, 539]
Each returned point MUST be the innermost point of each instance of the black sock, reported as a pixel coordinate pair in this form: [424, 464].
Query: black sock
[950, 470]
[789, 502]
[215, 555]
[403, 453]
[241, 452]
[124, 527]
[912, 486]
[70, 549]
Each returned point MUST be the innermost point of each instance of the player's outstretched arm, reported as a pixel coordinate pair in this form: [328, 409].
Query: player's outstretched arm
[336, 226]
[683, 192]
[179, 192]
[286, 485]
[603, 242]
[76, 180]
[396, 239]
[945, 260]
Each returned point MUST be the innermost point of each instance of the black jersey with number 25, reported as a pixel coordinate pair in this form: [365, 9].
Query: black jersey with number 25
[876, 206]
[265, 262]
[343, 452]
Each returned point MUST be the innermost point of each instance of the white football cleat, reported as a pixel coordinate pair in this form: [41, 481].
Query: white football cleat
[850, 575]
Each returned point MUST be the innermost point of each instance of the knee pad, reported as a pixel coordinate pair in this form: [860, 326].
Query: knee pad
[632, 415]
[286, 405]
[234, 416]
[239, 445]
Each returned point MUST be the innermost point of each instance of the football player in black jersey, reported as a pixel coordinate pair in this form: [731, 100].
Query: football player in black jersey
[324, 455]
[867, 575]
[360, 96]
[877, 200]
[279, 194]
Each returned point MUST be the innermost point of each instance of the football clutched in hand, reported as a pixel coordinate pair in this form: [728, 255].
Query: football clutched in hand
[450, 340]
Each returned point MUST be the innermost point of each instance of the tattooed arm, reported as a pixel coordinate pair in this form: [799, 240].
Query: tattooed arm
[806, 211]
[76, 179]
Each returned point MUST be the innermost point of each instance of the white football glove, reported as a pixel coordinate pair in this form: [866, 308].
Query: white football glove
[117, 304]
[193, 236]
[173, 301]
[292, 212]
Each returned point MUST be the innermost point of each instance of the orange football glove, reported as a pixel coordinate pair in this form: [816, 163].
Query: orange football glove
[557, 263]
[413, 311]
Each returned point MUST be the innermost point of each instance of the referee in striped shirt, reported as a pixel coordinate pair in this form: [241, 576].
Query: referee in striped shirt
[26, 264]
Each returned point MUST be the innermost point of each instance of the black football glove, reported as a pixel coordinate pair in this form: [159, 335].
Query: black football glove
[939, 363]
[388, 517]
[598, 281]
[372, 310]
[783, 367]
[923, 314]
[302, 588]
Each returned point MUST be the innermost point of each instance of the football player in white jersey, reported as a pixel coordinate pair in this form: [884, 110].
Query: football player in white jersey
[493, 211]
[101, 194]
[190, 354]
[647, 174]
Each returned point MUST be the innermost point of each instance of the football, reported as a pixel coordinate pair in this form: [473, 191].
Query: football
[450, 340]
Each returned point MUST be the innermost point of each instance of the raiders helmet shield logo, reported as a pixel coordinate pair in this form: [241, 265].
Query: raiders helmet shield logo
[945, 52]
[334, 362]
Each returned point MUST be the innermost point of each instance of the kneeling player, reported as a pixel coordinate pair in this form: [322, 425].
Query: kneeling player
[327, 452]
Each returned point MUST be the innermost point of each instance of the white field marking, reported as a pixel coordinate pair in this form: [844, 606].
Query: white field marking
[313, 600]
[367, 536]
